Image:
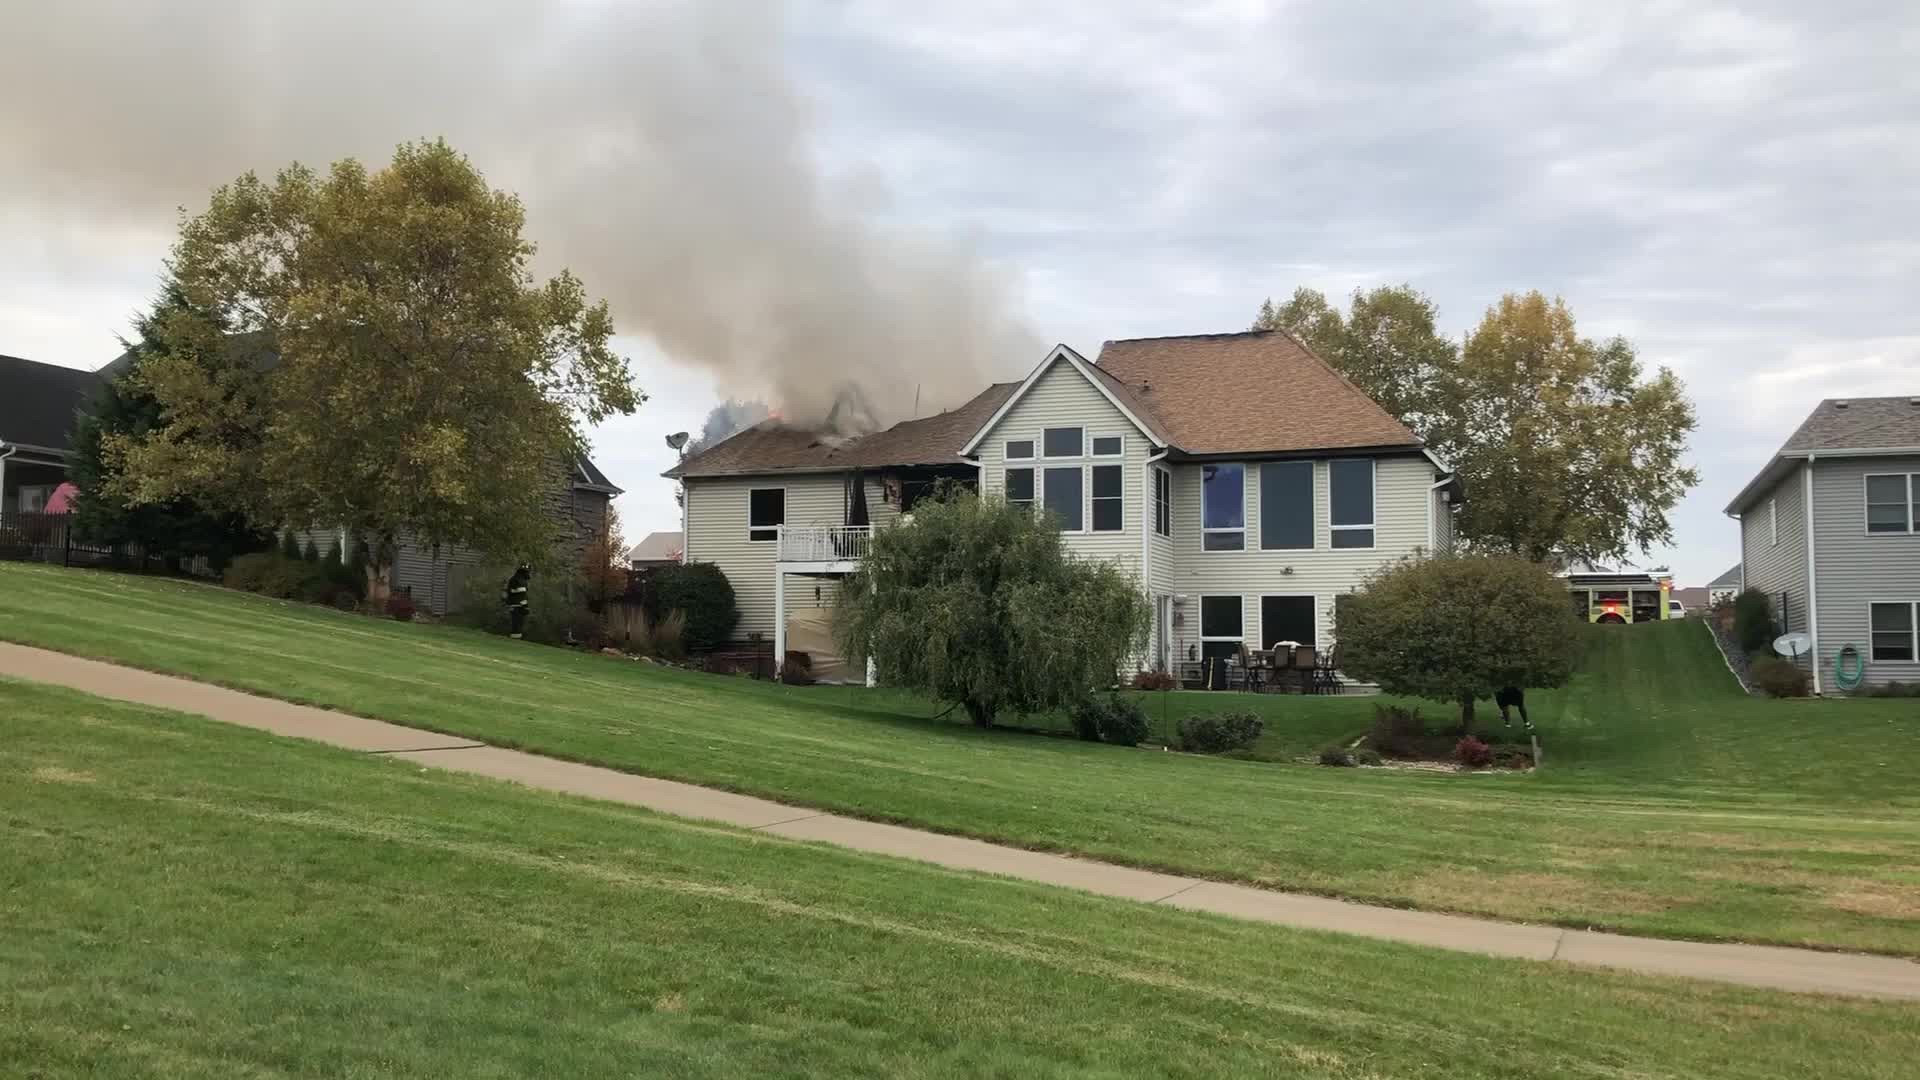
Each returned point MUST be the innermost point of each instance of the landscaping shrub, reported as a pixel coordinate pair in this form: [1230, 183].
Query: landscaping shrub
[1113, 719]
[1336, 756]
[311, 552]
[557, 611]
[289, 544]
[1367, 756]
[798, 669]
[669, 636]
[1753, 621]
[702, 593]
[1154, 680]
[1217, 733]
[1397, 730]
[1473, 753]
[400, 605]
[1894, 689]
[1777, 676]
[1517, 760]
[271, 573]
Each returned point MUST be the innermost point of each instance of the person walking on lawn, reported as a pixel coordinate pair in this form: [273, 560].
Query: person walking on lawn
[516, 599]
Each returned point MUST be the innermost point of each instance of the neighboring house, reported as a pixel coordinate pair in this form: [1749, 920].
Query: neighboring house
[1830, 532]
[1237, 477]
[658, 549]
[1691, 599]
[38, 404]
[1725, 587]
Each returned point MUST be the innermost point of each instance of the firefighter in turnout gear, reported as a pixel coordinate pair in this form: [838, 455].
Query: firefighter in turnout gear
[515, 597]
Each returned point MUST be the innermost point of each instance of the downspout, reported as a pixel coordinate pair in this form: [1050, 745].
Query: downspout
[1148, 522]
[1813, 589]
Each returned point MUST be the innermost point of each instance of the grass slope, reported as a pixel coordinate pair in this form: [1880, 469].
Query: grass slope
[1673, 805]
[183, 898]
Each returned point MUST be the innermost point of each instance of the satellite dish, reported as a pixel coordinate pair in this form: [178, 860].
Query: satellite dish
[677, 440]
[1793, 645]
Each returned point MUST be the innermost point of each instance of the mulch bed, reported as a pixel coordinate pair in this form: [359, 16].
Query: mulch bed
[1737, 658]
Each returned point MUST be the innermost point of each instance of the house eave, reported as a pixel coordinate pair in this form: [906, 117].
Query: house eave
[1784, 461]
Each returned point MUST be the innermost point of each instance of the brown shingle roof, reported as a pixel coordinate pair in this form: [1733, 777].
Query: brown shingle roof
[773, 447]
[1858, 424]
[1252, 392]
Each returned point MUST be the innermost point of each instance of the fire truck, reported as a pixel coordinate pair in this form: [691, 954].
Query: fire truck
[1620, 596]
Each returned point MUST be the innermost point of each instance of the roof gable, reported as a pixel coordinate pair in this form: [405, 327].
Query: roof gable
[1261, 391]
[41, 402]
[1118, 395]
[1866, 426]
[772, 447]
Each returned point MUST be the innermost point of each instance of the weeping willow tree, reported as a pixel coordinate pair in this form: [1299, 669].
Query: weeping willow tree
[978, 603]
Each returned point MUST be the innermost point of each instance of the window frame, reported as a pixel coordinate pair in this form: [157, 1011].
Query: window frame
[1372, 525]
[1313, 616]
[772, 531]
[1006, 490]
[1095, 438]
[1163, 501]
[1866, 504]
[1040, 491]
[1313, 492]
[1007, 454]
[1202, 518]
[1913, 632]
[1200, 618]
[1077, 455]
[1093, 501]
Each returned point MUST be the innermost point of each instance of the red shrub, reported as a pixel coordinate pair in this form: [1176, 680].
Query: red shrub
[1473, 753]
[1153, 680]
[400, 606]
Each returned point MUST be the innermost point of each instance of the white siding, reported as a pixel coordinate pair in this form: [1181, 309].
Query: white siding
[1442, 524]
[717, 533]
[1773, 547]
[1854, 568]
[1402, 487]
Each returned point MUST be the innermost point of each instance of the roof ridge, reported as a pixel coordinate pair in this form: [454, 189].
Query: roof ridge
[1182, 337]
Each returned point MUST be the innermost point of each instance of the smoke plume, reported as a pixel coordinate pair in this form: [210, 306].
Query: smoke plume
[661, 149]
[725, 419]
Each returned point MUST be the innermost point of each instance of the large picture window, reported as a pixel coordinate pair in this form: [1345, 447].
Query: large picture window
[1223, 507]
[1108, 488]
[1890, 506]
[766, 512]
[1350, 491]
[1020, 487]
[1061, 492]
[1286, 505]
[1892, 631]
[1162, 502]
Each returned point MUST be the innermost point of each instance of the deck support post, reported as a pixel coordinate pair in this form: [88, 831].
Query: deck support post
[779, 619]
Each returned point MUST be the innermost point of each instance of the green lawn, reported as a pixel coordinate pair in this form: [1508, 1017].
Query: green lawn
[184, 898]
[1672, 805]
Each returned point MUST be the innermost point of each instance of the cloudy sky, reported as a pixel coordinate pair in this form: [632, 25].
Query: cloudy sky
[1735, 188]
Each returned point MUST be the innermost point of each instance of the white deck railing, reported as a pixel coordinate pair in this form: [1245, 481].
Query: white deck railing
[824, 543]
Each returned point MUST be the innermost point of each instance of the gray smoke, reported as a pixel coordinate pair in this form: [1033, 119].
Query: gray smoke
[725, 419]
[662, 151]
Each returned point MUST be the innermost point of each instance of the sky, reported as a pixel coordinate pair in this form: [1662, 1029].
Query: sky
[928, 198]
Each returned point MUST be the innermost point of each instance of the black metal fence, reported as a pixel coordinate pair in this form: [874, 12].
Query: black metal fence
[27, 536]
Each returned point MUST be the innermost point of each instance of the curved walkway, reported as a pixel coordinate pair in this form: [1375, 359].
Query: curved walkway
[1752, 965]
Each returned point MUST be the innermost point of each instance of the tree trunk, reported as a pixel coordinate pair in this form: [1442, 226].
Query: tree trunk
[982, 714]
[1466, 714]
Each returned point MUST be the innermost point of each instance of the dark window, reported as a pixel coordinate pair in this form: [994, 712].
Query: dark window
[1061, 496]
[1020, 487]
[1220, 617]
[1223, 507]
[1019, 448]
[1106, 446]
[1892, 631]
[766, 511]
[1163, 502]
[1887, 505]
[1286, 618]
[1350, 490]
[1286, 504]
[1062, 442]
[1108, 483]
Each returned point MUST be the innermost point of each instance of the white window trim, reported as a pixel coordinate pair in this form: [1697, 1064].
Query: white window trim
[1913, 630]
[1040, 446]
[1201, 517]
[1029, 467]
[1866, 520]
[1315, 597]
[1040, 490]
[1159, 472]
[1007, 454]
[1313, 505]
[786, 503]
[1086, 485]
[1091, 438]
[1200, 620]
[1373, 511]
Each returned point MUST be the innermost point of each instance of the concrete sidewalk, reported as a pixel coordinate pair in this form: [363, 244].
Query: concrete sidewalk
[1752, 965]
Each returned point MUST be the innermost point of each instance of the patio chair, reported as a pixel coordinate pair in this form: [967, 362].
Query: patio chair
[1250, 669]
[1326, 675]
[1304, 661]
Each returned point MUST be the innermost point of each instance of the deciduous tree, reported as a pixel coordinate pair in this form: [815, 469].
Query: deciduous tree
[421, 380]
[1388, 344]
[1458, 628]
[978, 603]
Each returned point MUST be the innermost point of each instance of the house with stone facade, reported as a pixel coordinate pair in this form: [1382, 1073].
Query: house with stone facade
[1238, 478]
